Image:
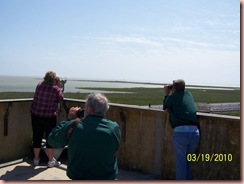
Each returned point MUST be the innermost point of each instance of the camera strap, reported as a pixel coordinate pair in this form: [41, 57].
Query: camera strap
[71, 127]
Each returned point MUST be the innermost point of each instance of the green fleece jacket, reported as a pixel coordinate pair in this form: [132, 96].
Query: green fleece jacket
[182, 109]
[91, 148]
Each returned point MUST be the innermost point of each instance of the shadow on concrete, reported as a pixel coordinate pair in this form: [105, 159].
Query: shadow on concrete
[23, 169]
[22, 173]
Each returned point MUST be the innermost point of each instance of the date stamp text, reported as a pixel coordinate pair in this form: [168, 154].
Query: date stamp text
[206, 157]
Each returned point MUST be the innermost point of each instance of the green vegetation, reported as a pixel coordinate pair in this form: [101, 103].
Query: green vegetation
[16, 95]
[131, 96]
[216, 96]
[143, 96]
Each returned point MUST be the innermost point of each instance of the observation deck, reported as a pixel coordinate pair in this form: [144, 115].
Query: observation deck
[146, 150]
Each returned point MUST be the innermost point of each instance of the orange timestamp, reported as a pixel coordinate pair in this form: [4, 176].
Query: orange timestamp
[206, 157]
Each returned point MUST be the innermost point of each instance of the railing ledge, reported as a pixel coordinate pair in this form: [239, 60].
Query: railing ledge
[16, 100]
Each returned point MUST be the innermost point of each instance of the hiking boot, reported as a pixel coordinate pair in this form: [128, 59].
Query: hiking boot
[53, 163]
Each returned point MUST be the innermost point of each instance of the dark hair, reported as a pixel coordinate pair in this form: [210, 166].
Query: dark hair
[49, 78]
[179, 85]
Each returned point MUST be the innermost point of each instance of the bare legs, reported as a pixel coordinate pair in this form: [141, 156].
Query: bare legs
[50, 153]
[37, 153]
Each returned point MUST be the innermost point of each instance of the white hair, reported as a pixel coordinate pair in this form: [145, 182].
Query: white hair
[98, 103]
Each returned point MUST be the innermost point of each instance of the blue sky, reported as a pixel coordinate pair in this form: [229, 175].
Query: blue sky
[136, 40]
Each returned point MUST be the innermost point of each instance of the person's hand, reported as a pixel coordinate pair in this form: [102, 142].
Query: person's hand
[73, 113]
[167, 90]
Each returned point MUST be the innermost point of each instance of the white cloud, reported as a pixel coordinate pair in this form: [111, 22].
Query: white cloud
[152, 43]
[200, 45]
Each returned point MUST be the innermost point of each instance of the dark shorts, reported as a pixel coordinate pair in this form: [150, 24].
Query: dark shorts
[39, 127]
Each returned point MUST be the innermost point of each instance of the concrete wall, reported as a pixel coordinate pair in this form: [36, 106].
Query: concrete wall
[17, 129]
[146, 142]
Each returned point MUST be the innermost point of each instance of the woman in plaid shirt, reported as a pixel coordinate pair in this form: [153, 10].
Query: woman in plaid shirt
[44, 111]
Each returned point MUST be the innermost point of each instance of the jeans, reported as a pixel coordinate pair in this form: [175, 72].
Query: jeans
[184, 143]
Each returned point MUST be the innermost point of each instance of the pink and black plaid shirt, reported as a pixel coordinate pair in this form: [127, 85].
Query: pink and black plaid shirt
[46, 99]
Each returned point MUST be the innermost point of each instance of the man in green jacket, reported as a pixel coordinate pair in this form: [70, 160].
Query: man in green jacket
[183, 119]
[93, 142]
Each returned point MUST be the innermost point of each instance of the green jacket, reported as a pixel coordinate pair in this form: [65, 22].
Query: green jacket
[182, 109]
[91, 148]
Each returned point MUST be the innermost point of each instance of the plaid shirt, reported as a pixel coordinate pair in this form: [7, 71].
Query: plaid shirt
[46, 99]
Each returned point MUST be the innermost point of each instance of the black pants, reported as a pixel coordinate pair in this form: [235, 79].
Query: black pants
[39, 127]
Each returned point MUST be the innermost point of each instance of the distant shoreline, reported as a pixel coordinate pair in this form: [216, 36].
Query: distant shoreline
[123, 82]
[151, 83]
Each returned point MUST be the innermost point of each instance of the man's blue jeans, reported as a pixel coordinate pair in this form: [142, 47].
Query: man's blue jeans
[184, 143]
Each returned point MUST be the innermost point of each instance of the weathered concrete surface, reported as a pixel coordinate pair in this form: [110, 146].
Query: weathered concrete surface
[18, 127]
[219, 135]
[146, 143]
[23, 170]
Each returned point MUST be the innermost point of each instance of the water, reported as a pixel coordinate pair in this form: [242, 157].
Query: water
[28, 84]
[18, 84]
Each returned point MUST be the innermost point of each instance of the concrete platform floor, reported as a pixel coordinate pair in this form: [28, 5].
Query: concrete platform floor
[23, 169]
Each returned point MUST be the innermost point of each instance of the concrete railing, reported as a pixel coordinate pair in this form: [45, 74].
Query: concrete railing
[146, 142]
